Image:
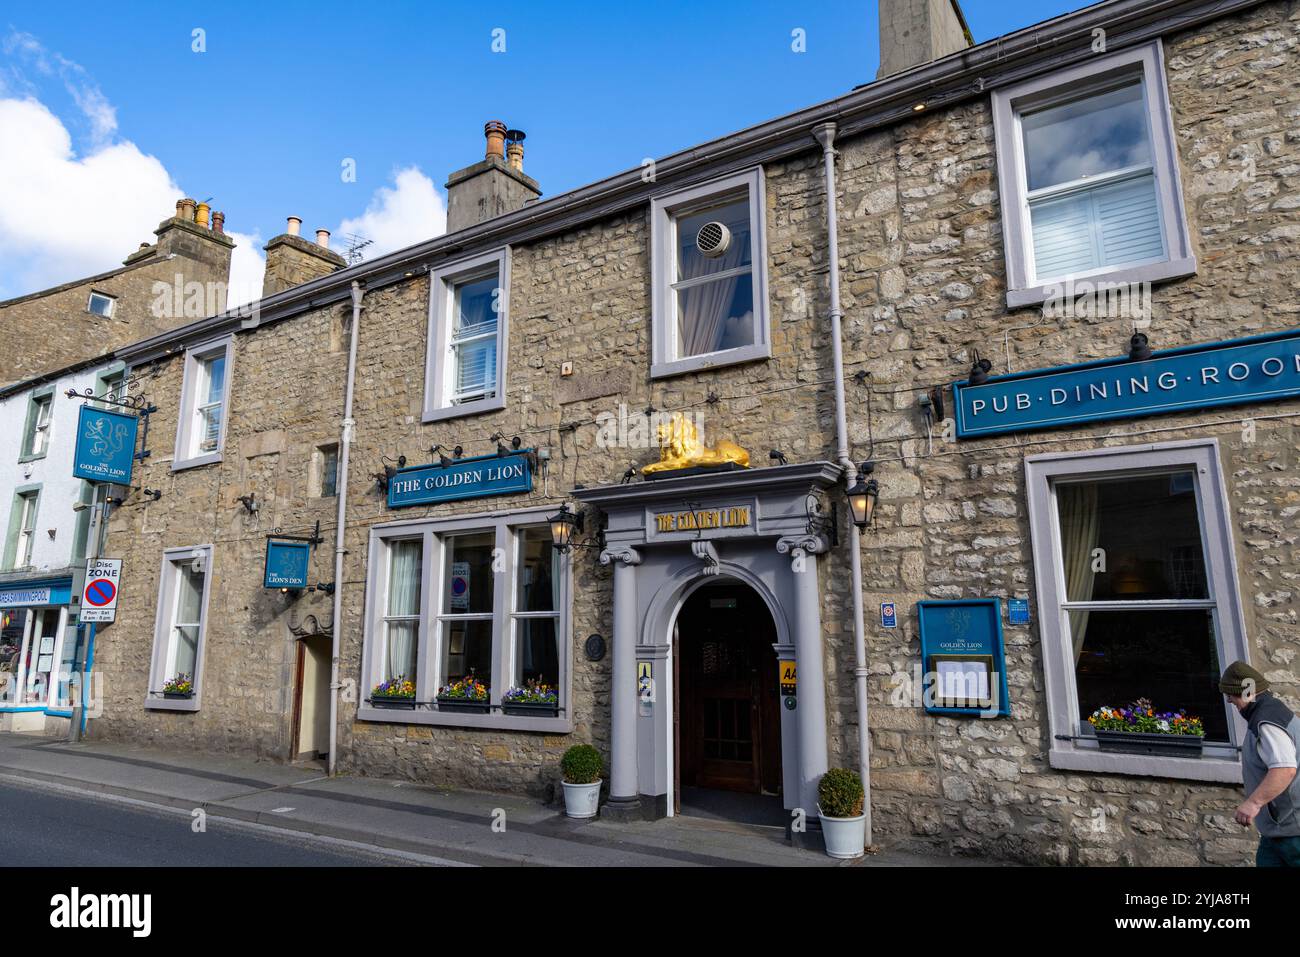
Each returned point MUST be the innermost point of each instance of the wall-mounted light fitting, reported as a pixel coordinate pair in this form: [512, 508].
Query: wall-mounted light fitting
[1139, 347]
[979, 370]
[863, 496]
[249, 502]
[776, 455]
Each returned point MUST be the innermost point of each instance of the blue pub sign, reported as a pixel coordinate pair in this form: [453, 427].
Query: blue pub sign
[286, 564]
[105, 449]
[1258, 369]
[462, 478]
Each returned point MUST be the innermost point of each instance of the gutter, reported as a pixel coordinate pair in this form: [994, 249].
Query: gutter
[825, 135]
[965, 75]
[345, 445]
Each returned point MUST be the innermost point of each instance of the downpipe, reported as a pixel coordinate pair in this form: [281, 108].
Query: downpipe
[825, 135]
[345, 446]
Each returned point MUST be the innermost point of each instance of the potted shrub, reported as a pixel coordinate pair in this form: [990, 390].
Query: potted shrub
[396, 692]
[466, 696]
[1141, 729]
[534, 698]
[582, 766]
[841, 804]
[182, 686]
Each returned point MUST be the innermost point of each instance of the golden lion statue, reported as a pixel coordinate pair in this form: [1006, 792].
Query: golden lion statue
[680, 448]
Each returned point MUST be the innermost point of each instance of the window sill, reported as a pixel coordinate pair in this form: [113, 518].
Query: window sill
[494, 404]
[1221, 770]
[172, 704]
[499, 722]
[1151, 272]
[711, 360]
[31, 458]
[196, 462]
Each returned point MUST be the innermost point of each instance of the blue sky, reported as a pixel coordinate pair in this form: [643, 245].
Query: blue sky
[286, 92]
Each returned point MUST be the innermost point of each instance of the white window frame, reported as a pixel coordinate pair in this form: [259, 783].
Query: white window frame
[429, 653]
[168, 594]
[188, 420]
[438, 367]
[664, 209]
[29, 504]
[111, 300]
[1147, 61]
[1069, 750]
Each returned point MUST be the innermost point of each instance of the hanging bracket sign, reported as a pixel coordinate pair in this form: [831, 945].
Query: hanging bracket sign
[105, 449]
[462, 478]
[286, 564]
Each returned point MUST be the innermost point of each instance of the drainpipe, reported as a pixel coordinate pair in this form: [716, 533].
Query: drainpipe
[825, 135]
[345, 444]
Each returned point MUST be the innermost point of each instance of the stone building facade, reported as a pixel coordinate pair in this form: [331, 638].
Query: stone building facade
[180, 277]
[924, 251]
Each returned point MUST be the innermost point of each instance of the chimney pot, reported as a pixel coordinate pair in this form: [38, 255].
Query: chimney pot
[295, 224]
[219, 222]
[515, 149]
[186, 209]
[323, 238]
[495, 131]
[201, 215]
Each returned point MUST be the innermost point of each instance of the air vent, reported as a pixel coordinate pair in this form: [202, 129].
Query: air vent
[713, 239]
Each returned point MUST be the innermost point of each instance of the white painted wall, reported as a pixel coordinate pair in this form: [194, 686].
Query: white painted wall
[59, 490]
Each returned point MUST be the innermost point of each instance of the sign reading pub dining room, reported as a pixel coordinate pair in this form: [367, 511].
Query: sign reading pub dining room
[462, 478]
[1259, 369]
[105, 447]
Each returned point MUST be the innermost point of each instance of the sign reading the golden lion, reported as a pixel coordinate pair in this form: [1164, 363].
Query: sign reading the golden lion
[735, 517]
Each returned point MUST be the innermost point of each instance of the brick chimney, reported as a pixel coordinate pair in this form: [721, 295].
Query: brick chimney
[494, 186]
[913, 32]
[292, 260]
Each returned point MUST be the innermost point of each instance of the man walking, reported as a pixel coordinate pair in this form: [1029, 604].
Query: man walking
[1268, 766]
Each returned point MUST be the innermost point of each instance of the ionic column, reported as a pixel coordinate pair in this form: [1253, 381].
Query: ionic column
[623, 799]
[810, 708]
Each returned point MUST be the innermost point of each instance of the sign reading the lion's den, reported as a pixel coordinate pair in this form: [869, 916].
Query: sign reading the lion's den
[694, 520]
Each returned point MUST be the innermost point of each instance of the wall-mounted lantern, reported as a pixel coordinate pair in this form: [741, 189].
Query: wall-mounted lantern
[863, 496]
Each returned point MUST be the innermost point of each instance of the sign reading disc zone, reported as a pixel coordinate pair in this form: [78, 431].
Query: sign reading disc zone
[99, 597]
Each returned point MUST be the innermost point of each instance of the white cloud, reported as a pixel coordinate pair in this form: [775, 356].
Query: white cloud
[65, 215]
[247, 267]
[410, 211]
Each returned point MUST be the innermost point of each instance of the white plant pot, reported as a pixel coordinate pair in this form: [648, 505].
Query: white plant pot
[581, 800]
[845, 836]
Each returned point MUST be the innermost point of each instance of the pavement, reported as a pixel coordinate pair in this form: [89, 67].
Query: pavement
[414, 823]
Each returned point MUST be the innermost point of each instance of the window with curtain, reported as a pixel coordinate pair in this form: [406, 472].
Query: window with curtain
[1091, 183]
[402, 609]
[498, 610]
[468, 333]
[37, 441]
[473, 340]
[710, 299]
[202, 424]
[1137, 600]
[181, 623]
[25, 506]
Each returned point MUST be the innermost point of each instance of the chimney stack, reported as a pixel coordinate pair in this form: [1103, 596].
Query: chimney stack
[292, 260]
[913, 32]
[494, 186]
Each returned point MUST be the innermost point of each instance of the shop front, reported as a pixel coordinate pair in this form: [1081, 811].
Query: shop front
[718, 663]
[39, 645]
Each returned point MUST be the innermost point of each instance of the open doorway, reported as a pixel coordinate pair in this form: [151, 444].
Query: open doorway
[311, 726]
[727, 707]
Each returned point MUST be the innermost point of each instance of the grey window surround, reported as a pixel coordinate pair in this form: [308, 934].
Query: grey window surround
[663, 257]
[436, 365]
[428, 654]
[1219, 763]
[1147, 60]
[185, 420]
[45, 393]
[167, 587]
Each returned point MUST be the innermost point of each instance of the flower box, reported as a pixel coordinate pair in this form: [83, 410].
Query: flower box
[1150, 743]
[464, 705]
[392, 701]
[178, 694]
[535, 709]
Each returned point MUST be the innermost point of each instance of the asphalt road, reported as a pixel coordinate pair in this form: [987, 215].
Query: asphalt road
[51, 828]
